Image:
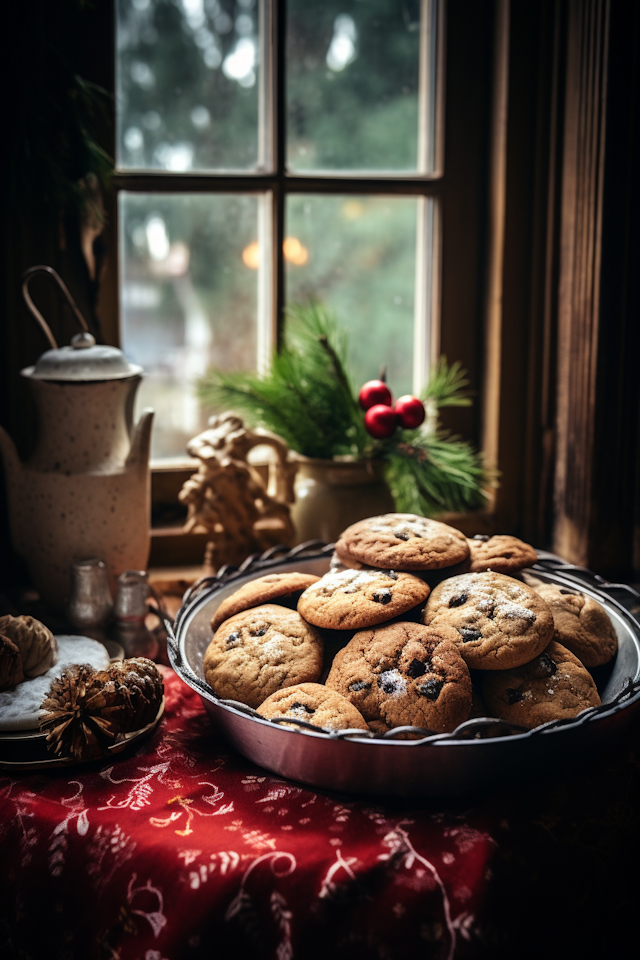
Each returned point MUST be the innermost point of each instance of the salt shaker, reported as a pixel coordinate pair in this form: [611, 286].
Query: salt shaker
[89, 606]
[130, 611]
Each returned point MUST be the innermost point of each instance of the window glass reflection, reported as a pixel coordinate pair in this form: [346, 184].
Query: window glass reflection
[187, 84]
[188, 301]
[353, 76]
[358, 256]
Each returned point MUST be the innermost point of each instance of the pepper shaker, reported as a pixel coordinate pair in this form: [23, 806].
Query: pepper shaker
[130, 611]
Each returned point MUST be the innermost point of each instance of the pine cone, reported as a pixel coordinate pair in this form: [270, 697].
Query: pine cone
[37, 645]
[144, 686]
[86, 709]
[10, 664]
[73, 720]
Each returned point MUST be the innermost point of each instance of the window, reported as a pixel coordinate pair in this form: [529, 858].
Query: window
[267, 153]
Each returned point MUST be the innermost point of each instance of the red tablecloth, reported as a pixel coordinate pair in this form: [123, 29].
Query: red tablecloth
[185, 850]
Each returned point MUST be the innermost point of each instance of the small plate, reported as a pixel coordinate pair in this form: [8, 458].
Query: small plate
[27, 735]
[30, 749]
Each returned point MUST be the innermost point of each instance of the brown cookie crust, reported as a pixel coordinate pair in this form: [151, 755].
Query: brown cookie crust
[581, 624]
[342, 561]
[316, 704]
[379, 727]
[553, 686]
[500, 622]
[265, 589]
[404, 674]
[352, 599]
[502, 554]
[404, 541]
[261, 650]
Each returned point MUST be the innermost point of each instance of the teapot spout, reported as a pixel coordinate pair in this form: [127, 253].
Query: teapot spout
[12, 463]
[141, 442]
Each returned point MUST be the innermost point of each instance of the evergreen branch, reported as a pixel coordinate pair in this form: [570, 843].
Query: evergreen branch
[446, 385]
[307, 398]
[244, 393]
[431, 473]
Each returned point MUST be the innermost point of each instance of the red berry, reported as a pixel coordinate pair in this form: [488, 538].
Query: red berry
[380, 421]
[410, 411]
[374, 391]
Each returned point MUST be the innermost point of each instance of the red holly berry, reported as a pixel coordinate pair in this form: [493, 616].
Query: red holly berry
[410, 411]
[380, 421]
[374, 391]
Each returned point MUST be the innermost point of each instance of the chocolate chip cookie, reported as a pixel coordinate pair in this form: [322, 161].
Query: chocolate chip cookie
[316, 704]
[273, 586]
[502, 554]
[500, 622]
[554, 685]
[353, 599]
[581, 624]
[342, 561]
[403, 541]
[404, 674]
[261, 650]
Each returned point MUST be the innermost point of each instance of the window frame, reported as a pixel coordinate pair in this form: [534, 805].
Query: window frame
[276, 182]
[457, 183]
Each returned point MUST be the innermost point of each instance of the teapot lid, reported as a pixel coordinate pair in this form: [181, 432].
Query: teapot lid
[82, 361]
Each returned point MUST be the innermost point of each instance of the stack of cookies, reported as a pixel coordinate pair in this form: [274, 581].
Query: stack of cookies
[433, 629]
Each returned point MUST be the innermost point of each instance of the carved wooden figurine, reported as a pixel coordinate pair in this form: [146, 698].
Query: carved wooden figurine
[227, 497]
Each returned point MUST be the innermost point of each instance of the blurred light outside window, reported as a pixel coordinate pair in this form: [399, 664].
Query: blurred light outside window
[188, 301]
[361, 255]
[187, 85]
[355, 87]
[200, 279]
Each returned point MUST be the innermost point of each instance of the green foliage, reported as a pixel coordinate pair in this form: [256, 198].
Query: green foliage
[308, 399]
[446, 385]
[364, 116]
[429, 473]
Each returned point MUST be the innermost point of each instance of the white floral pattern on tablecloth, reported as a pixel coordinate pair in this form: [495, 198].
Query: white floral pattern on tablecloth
[187, 850]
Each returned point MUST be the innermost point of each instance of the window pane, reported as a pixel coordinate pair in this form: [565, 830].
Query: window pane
[358, 256]
[353, 85]
[187, 84]
[188, 300]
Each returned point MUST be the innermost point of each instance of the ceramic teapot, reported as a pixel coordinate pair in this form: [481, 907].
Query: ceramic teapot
[85, 490]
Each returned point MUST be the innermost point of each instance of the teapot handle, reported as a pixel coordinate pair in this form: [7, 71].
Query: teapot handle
[26, 277]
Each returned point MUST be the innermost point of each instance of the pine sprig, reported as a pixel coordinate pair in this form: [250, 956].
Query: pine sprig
[308, 398]
[446, 385]
[429, 473]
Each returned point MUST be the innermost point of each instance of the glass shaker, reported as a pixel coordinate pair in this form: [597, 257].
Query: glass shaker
[130, 611]
[89, 606]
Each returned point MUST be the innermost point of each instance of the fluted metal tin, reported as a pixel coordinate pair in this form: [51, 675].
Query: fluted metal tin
[479, 755]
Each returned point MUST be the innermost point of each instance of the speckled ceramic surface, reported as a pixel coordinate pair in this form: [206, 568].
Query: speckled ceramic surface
[85, 490]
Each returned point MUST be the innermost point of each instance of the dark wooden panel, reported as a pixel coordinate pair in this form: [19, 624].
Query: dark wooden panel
[615, 495]
[596, 492]
[468, 85]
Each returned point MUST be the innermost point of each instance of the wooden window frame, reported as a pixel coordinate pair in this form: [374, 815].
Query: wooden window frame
[456, 184]
[276, 182]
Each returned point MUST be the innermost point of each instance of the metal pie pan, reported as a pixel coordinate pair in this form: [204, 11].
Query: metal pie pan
[479, 755]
